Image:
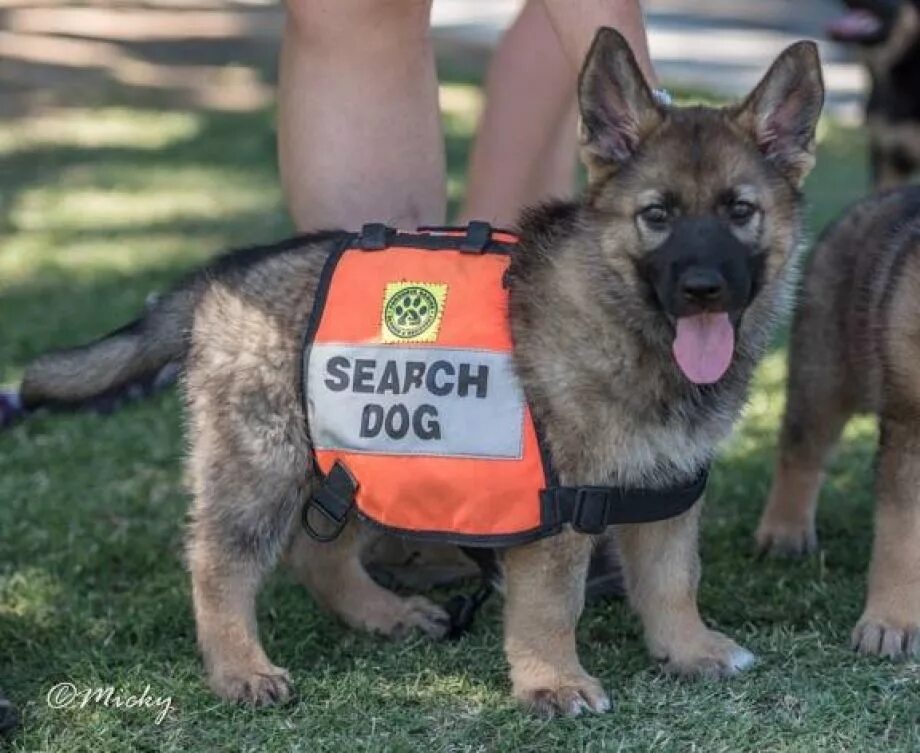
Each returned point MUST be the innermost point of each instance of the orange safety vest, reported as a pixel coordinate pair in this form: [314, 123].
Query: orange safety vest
[414, 411]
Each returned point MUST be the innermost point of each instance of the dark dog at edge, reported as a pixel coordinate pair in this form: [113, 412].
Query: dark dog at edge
[888, 35]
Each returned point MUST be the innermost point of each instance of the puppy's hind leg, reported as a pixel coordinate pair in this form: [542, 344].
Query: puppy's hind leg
[240, 521]
[335, 576]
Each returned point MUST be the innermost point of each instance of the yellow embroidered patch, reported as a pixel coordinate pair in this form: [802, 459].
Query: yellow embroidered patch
[412, 312]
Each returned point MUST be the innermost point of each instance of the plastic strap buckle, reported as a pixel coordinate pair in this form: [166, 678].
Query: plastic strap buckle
[375, 236]
[478, 235]
[590, 513]
[333, 499]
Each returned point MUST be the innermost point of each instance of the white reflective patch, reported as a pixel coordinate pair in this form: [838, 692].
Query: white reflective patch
[390, 400]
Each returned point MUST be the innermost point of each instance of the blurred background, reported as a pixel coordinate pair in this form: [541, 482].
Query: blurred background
[220, 54]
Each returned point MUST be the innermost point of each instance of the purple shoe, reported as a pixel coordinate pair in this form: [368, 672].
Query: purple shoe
[9, 717]
[11, 409]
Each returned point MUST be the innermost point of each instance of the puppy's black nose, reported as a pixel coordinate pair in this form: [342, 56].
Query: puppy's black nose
[702, 285]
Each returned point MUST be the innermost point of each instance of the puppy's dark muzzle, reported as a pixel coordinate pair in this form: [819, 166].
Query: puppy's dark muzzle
[701, 268]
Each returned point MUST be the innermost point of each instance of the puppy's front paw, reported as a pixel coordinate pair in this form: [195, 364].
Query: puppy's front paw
[781, 538]
[570, 697]
[709, 654]
[258, 686]
[888, 637]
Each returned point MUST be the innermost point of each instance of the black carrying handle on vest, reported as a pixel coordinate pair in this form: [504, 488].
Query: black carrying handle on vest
[476, 238]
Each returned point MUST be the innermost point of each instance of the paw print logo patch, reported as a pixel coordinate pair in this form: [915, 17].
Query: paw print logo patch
[412, 311]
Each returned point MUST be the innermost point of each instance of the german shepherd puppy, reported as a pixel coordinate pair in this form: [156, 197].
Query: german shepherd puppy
[856, 348]
[664, 277]
[888, 33]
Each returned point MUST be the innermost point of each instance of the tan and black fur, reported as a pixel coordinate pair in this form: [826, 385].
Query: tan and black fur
[594, 290]
[856, 349]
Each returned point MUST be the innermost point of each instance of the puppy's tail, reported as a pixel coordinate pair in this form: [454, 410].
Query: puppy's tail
[132, 361]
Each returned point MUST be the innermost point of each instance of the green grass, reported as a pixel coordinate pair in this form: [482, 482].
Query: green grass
[98, 209]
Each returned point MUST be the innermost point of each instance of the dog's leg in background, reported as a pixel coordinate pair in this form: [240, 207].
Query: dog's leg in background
[892, 164]
[815, 417]
[818, 406]
[334, 574]
[544, 597]
[662, 569]
[890, 623]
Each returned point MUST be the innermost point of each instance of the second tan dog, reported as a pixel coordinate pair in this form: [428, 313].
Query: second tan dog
[856, 349]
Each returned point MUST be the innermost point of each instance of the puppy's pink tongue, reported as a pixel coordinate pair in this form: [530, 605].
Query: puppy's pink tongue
[704, 346]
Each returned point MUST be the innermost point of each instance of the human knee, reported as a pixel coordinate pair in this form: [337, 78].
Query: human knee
[349, 22]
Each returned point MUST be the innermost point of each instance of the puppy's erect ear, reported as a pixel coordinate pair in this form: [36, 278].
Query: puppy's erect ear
[782, 111]
[617, 107]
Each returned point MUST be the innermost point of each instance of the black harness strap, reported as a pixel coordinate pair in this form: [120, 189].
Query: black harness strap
[588, 509]
[591, 509]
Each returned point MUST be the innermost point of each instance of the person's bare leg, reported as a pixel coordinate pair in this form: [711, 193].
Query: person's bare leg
[359, 131]
[525, 146]
[577, 21]
[555, 177]
[524, 151]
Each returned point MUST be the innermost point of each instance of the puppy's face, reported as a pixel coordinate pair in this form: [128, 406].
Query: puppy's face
[698, 206]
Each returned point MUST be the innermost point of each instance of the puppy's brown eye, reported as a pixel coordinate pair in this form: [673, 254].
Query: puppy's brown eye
[656, 216]
[740, 211]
